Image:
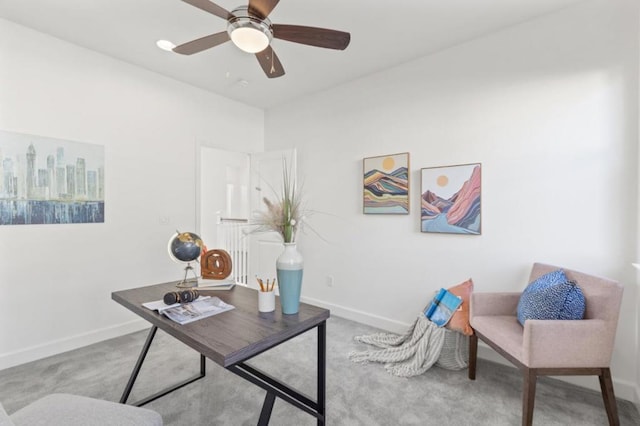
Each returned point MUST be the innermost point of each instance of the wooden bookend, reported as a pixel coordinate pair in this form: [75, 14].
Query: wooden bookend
[215, 265]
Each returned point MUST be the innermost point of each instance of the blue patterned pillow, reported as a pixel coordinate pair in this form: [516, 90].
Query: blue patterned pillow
[551, 297]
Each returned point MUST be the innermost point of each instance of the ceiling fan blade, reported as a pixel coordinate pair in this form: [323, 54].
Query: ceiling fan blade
[319, 37]
[210, 7]
[201, 44]
[262, 8]
[270, 63]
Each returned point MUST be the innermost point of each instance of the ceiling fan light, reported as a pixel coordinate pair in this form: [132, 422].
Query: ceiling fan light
[248, 31]
[250, 39]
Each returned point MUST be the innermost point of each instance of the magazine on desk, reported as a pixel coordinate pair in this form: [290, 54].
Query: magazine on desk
[184, 313]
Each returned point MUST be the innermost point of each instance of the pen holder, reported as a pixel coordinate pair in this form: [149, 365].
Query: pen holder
[266, 301]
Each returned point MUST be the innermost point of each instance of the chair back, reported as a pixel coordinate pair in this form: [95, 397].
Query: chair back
[603, 296]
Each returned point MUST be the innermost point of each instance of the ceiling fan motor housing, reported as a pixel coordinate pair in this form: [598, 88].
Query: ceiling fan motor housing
[249, 32]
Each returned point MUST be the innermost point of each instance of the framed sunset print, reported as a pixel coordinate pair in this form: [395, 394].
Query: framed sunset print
[386, 184]
[450, 199]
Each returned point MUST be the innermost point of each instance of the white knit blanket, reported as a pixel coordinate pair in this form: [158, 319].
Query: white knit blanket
[405, 355]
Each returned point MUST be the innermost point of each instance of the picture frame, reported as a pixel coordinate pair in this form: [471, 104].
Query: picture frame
[386, 184]
[50, 181]
[451, 199]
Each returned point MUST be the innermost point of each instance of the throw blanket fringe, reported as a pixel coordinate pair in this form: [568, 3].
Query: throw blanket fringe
[406, 355]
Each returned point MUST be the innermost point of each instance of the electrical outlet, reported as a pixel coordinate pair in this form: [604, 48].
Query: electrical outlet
[164, 220]
[329, 281]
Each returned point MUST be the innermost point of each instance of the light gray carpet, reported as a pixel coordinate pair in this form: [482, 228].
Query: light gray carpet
[356, 394]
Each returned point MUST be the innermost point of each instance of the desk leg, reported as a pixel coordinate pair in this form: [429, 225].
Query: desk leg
[322, 373]
[267, 407]
[136, 370]
[280, 390]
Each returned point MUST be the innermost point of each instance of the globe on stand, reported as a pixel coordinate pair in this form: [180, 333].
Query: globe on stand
[185, 247]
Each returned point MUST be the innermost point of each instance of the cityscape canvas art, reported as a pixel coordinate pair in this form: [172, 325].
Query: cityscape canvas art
[50, 181]
[450, 199]
[386, 184]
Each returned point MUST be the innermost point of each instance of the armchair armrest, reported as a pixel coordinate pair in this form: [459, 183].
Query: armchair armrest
[494, 304]
[567, 344]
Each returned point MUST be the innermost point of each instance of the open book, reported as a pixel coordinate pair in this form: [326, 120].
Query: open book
[185, 313]
[442, 307]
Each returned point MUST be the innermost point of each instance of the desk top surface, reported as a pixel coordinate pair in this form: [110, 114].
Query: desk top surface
[230, 337]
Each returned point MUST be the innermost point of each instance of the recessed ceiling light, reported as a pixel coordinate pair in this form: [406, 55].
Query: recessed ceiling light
[165, 45]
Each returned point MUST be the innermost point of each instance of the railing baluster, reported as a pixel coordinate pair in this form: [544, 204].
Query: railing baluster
[234, 242]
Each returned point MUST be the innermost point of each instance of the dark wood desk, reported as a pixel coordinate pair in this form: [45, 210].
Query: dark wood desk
[233, 337]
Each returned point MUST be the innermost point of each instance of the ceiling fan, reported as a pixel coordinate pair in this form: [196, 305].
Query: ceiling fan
[250, 29]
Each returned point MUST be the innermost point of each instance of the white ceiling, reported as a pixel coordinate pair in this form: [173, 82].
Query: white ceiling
[383, 34]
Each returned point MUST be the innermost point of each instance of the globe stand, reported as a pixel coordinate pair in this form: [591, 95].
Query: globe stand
[186, 247]
[188, 282]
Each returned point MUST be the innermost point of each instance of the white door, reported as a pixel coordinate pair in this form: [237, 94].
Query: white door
[224, 190]
[266, 181]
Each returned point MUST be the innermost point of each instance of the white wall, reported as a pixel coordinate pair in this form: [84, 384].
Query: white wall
[56, 280]
[638, 246]
[550, 109]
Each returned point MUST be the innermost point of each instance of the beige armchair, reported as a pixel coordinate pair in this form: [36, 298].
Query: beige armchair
[550, 347]
[60, 409]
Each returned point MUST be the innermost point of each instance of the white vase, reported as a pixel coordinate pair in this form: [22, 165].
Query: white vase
[289, 267]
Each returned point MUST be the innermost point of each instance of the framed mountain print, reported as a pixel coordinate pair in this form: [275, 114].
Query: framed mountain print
[386, 184]
[450, 199]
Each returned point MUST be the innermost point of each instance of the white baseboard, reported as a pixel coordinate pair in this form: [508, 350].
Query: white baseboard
[377, 321]
[623, 388]
[11, 359]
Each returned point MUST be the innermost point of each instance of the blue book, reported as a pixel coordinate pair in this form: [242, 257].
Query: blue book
[442, 307]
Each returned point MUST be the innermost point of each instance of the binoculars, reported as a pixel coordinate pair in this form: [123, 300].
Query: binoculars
[184, 296]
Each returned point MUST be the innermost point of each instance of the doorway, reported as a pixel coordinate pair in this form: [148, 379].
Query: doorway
[232, 185]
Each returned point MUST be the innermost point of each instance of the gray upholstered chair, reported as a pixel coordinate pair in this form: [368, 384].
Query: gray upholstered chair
[550, 347]
[71, 410]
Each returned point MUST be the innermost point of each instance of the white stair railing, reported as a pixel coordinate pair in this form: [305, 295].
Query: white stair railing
[233, 239]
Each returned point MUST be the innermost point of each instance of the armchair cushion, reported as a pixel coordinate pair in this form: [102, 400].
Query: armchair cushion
[505, 332]
[552, 296]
